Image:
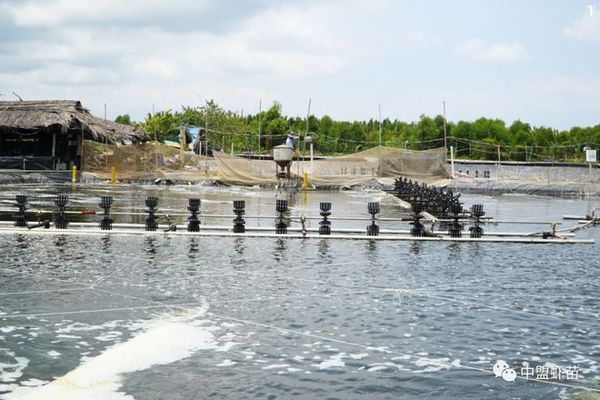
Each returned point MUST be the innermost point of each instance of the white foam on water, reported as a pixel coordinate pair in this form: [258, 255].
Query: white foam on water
[335, 361]
[108, 336]
[12, 372]
[431, 364]
[226, 363]
[379, 367]
[358, 356]
[276, 366]
[63, 336]
[54, 354]
[163, 341]
[33, 382]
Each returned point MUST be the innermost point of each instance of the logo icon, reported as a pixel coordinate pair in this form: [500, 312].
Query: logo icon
[502, 369]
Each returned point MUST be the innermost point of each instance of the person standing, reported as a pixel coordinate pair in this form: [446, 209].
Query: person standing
[289, 142]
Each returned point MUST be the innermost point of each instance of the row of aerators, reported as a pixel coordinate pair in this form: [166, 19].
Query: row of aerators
[61, 221]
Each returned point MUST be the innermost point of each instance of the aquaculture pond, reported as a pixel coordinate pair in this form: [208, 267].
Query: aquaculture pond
[156, 317]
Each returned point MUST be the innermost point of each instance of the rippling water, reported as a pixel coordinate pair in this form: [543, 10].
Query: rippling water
[116, 317]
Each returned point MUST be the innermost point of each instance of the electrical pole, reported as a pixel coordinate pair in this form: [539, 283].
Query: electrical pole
[154, 123]
[306, 133]
[445, 135]
[380, 142]
[259, 124]
[206, 124]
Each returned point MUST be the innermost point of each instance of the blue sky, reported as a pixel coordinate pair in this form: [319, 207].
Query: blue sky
[534, 60]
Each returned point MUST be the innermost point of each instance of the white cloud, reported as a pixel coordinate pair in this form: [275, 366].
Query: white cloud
[566, 87]
[156, 68]
[56, 13]
[479, 50]
[587, 27]
[420, 39]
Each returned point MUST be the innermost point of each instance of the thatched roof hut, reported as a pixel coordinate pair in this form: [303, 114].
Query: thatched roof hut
[63, 115]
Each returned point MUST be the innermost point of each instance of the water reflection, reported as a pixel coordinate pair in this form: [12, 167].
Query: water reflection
[150, 246]
[324, 249]
[194, 248]
[454, 249]
[60, 241]
[415, 248]
[279, 251]
[372, 254]
[22, 242]
[239, 246]
[106, 243]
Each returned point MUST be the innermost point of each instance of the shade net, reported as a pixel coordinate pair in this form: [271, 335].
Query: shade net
[154, 160]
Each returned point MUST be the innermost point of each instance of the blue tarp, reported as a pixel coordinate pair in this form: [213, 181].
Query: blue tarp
[193, 132]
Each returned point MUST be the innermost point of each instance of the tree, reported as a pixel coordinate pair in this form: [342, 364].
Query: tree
[277, 126]
[124, 119]
[160, 124]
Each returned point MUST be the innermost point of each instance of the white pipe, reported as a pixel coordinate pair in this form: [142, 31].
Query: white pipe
[270, 229]
[488, 239]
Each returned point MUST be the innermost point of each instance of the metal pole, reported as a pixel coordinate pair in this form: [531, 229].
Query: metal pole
[154, 124]
[306, 133]
[452, 162]
[380, 172]
[206, 124]
[445, 134]
[259, 131]
[259, 125]
[307, 115]
[104, 112]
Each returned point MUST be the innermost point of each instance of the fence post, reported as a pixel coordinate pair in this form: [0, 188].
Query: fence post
[498, 169]
[451, 162]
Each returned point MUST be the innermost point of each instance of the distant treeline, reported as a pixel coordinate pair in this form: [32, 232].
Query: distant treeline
[480, 139]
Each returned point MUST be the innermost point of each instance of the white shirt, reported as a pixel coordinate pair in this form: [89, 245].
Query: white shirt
[289, 142]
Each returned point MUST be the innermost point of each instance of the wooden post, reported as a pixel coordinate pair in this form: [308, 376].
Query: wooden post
[498, 171]
[54, 150]
[182, 144]
[81, 154]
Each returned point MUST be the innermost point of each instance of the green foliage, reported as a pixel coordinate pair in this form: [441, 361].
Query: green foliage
[160, 124]
[124, 119]
[479, 139]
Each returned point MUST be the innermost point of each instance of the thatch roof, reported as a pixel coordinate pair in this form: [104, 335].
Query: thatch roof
[48, 115]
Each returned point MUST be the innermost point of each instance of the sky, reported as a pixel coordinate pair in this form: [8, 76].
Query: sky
[534, 60]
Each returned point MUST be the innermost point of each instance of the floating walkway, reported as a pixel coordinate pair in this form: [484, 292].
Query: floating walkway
[56, 222]
[259, 234]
